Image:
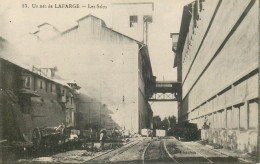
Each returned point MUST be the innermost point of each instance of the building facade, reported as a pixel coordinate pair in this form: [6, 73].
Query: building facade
[113, 69]
[217, 63]
[133, 20]
[29, 100]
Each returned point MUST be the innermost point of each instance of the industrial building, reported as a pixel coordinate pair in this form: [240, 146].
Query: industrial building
[30, 99]
[217, 63]
[134, 19]
[113, 69]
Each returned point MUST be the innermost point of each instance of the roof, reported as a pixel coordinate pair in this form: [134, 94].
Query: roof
[89, 15]
[43, 24]
[103, 24]
[60, 82]
[70, 29]
[2, 39]
[3, 42]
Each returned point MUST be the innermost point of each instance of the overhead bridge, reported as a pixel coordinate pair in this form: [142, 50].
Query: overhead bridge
[166, 91]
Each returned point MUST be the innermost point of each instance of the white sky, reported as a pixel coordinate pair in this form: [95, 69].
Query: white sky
[16, 22]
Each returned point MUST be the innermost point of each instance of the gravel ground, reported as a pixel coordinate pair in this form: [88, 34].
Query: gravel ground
[126, 153]
[156, 152]
[73, 156]
[192, 152]
[140, 150]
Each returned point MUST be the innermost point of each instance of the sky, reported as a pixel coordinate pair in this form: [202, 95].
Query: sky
[16, 22]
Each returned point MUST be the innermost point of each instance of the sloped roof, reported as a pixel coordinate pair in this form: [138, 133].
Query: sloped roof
[44, 24]
[58, 81]
[89, 15]
[103, 24]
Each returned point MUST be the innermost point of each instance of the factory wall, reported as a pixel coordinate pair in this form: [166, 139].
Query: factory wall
[139, 10]
[145, 111]
[220, 72]
[105, 63]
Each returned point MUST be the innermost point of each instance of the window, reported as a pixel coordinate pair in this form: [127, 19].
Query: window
[243, 117]
[53, 87]
[215, 120]
[133, 19]
[218, 120]
[40, 84]
[223, 119]
[235, 118]
[210, 120]
[253, 114]
[27, 81]
[229, 118]
[46, 86]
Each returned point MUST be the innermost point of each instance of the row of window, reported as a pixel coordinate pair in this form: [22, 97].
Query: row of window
[243, 116]
[134, 19]
[39, 84]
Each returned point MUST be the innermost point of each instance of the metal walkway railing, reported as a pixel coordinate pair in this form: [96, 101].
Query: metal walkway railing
[166, 91]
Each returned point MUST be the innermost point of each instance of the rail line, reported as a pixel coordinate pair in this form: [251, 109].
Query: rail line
[217, 152]
[164, 153]
[143, 156]
[199, 153]
[111, 151]
[176, 159]
[165, 148]
[147, 156]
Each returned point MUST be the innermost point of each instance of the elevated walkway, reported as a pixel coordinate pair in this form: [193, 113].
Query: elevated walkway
[166, 91]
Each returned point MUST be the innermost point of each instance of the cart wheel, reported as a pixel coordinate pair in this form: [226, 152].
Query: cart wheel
[36, 137]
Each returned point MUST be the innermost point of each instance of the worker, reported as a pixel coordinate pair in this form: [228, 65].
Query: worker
[91, 138]
[102, 138]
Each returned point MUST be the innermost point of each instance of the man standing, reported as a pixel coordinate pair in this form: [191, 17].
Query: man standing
[102, 138]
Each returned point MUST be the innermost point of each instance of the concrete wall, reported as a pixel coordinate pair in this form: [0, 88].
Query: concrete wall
[145, 111]
[220, 72]
[102, 61]
[94, 114]
[121, 22]
[105, 64]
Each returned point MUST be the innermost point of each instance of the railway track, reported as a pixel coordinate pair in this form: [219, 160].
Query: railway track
[185, 153]
[146, 150]
[203, 156]
[143, 156]
[157, 152]
[151, 151]
[107, 156]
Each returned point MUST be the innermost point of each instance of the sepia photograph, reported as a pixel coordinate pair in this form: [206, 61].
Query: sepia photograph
[129, 81]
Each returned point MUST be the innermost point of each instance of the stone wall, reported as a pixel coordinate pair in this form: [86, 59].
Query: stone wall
[243, 141]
